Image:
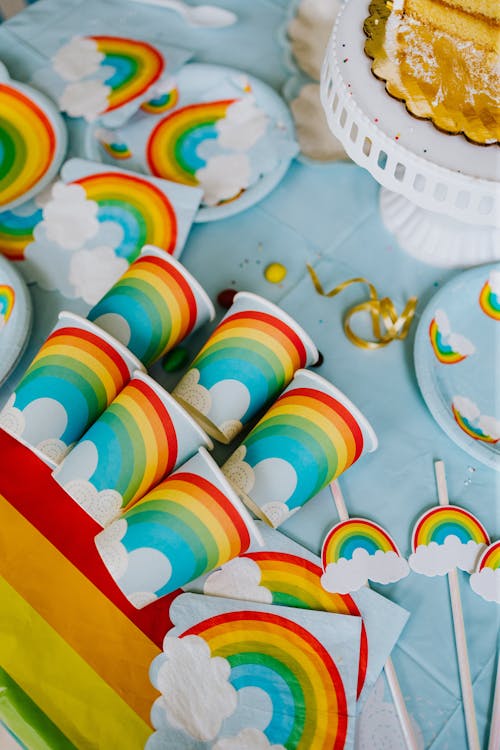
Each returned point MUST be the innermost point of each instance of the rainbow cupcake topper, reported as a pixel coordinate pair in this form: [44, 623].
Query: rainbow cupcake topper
[136, 66]
[489, 298]
[356, 551]
[161, 103]
[28, 144]
[291, 581]
[141, 210]
[7, 301]
[172, 148]
[153, 307]
[444, 538]
[276, 655]
[485, 581]
[449, 348]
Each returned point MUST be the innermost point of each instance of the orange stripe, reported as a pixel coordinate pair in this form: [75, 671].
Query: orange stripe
[100, 633]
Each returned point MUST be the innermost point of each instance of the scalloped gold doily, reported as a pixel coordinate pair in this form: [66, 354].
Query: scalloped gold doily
[433, 78]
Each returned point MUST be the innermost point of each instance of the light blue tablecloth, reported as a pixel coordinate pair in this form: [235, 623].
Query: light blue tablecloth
[329, 216]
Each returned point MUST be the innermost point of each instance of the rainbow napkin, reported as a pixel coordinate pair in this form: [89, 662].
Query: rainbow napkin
[82, 234]
[285, 573]
[252, 676]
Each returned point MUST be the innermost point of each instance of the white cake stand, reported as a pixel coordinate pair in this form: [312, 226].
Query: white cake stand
[440, 193]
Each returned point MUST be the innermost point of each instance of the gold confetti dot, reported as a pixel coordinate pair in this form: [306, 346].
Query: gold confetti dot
[275, 273]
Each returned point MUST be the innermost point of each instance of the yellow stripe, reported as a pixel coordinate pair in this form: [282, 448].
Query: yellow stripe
[61, 683]
[90, 624]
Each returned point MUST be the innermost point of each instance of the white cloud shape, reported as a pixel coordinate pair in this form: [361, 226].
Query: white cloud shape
[486, 583]
[247, 739]
[458, 343]
[345, 575]
[438, 559]
[243, 125]
[489, 426]
[87, 99]
[11, 418]
[93, 272]
[223, 177]
[54, 449]
[196, 693]
[193, 393]
[494, 281]
[277, 513]
[77, 59]
[238, 579]
[111, 549]
[69, 219]
[378, 726]
[103, 506]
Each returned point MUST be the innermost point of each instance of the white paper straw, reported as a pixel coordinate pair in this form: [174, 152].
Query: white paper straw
[494, 742]
[390, 672]
[459, 628]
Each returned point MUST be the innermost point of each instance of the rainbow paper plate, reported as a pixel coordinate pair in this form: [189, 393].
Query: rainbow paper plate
[175, 142]
[32, 142]
[15, 317]
[457, 361]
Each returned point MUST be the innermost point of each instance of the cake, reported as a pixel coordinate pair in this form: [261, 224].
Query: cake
[443, 59]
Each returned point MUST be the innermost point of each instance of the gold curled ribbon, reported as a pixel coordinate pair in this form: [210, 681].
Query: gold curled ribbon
[387, 325]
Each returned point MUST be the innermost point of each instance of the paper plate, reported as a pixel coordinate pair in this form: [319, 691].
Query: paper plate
[15, 317]
[192, 80]
[457, 361]
[33, 142]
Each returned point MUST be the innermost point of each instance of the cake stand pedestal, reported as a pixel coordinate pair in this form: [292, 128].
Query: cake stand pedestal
[440, 193]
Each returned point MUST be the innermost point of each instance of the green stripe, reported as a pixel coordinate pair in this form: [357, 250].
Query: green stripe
[26, 722]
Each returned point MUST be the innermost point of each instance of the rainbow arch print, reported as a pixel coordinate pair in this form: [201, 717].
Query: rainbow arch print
[296, 582]
[443, 351]
[490, 557]
[136, 65]
[142, 210]
[171, 151]
[161, 103]
[16, 232]
[356, 533]
[489, 297]
[27, 144]
[7, 302]
[474, 431]
[438, 523]
[271, 652]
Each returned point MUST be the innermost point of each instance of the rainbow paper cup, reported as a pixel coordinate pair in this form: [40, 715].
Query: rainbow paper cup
[153, 306]
[140, 438]
[186, 526]
[74, 377]
[309, 436]
[247, 361]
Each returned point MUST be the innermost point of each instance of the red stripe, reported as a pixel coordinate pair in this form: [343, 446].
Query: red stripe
[100, 343]
[23, 479]
[275, 322]
[335, 406]
[181, 281]
[166, 421]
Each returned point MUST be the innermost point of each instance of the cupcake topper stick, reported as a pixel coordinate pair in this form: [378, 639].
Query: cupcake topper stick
[494, 742]
[459, 627]
[390, 672]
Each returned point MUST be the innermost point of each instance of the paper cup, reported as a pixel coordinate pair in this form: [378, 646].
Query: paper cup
[189, 524]
[153, 306]
[140, 438]
[309, 436]
[74, 377]
[247, 361]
